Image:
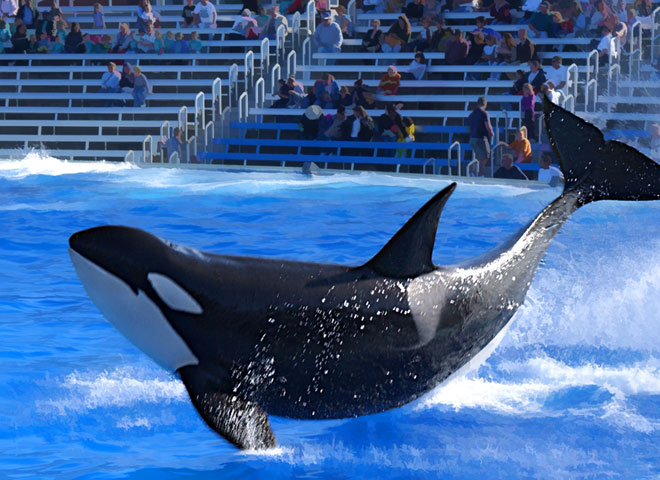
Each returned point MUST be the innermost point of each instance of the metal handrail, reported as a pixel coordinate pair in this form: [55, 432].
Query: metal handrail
[306, 56]
[233, 83]
[280, 39]
[456, 144]
[208, 135]
[129, 157]
[259, 95]
[200, 113]
[165, 129]
[637, 26]
[655, 27]
[182, 117]
[216, 100]
[274, 78]
[174, 158]
[291, 63]
[295, 30]
[147, 144]
[566, 100]
[249, 66]
[591, 82]
[310, 12]
[592, 66]
[613, 68]
[264, 64]
[572, 79]
[243, 108]
[191, 145]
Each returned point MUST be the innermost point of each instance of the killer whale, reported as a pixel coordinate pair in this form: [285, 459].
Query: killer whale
[251, 337]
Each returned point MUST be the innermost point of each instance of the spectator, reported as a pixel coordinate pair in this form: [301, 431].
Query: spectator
[345, 97]
[508, 170]
[441, 36]
[205, 15]
[643, 8]
[540, 23]
[386, 123]
[501, 12]
[414, 10]
[602, 16]
[275, 20]
[141, 87]
[374, 38]
[5, 35]
[527, 109]
[557, 73]
[457, 49]
[326, 91]
[180, 45]
[605, 46]
[97, 17]
[169, 42]
[525, 50]
[74, 42]
[390, 82]
[188, 14]
[127, 79]
[195, 44]
[476, 51]
[283, 94]
[521, 147]
[334, 131]
[549, 91]
[344, 22]
[423, 40]
[417, 67]
[548, 173]
[575, 16]
[123, 40]
[481, 133]
[484, 30]
[147, 16]
[406, 135]
[28, 14]
[174, 143]
[361, 96]
[147, 42]
[8, 8]
[366, 128]
[110, 80]
[536, 75]
[397, 36]
[516, 89]
[433, 8]
[507, 51]
[296, 93]
[327, 36]
[19, 40]
[309, 122]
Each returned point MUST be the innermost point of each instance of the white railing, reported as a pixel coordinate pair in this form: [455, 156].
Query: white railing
[259, 95]
[200, 113]
[612, 72]
[208, 135]
[635, 45]
[264, 65]
[243, 108]
[165, 130]
[191, 149]
[280, 38]
[147, 145]
[291, 63]
[591, 83]
[249, 66]
[174, 158]
[351, 11]
[295, 31]
[182, 117]
[216, 100]
[614, 52]
[592, 65]
[572, 80]
[456, 145]
[306, 57]
[655, 33]
[310, 14]
[130, 156]
[233, 84]
[275, 75]
[568, 102]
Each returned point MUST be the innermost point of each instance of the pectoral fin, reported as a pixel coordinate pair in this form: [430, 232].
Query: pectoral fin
[240, 421]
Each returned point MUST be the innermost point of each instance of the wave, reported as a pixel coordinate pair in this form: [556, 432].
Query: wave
[41, 163]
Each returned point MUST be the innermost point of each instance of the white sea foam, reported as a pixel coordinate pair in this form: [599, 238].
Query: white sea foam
[121, 387]
[41, 163]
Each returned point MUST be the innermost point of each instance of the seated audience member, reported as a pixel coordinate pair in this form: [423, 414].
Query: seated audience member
[296, 93]
[556, 73]
[334, 131]
[536, 75]
[147, 42]
[433, 8]
[522, 149]
[123, 40]
[516, 89]
[180, 45]
[527, 109]
[398, 35]
[387, 121]
[390, 82]
[245, 26]
[417, 67]
[525, 50]
[548, 89]
[441, 36]
[275, 20]
[327, 36]
[188, 14]
[361, 95]
[484, 30]
[194, 45]
[606, 46]
[8, 8]
[110, 79]
[326, 91]
[414, 10]
[548, 173]
[283, 94]
[159, 42]
[373, 39]
[205, 15]
[508, 170]
[476, 51]
[127, 79]
[405, 136]
[422, 41]
[602, 16]
[169, 42]
[141, 87]
[28, 14]
[310, 122]
[457, 49]
[540, 23]
[559, 28]
[347, 28]
[345, 97]
[20, 42]
[74, 42]
[501, 12]
[147, 16]
[367, 126]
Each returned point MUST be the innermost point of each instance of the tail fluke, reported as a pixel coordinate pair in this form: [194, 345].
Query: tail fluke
[603, 170]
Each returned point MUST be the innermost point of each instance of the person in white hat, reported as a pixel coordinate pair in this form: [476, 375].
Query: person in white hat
[309, 122]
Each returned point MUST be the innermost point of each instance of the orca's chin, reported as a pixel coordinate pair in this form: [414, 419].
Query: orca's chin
[133, 313]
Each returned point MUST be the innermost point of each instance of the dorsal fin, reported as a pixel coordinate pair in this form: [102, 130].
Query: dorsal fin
[408, 253]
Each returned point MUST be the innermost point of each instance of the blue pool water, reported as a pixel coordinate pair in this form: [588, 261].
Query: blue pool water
[573, 391]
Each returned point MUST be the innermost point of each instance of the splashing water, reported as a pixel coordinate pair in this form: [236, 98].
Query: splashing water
[573, 390]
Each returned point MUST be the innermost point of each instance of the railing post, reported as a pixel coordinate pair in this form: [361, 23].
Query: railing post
[200, 113]
[129, 157]
[249, 65]
[183, 122]
[147, 145]
[593, 82]
[243, 107]
[208, 135]
[291, 63]
[637, 26]
[265, 56]
[655, 28]
[216, 94]
[456, 144]
[592, 66]
[280, 38]
[275, 75]
[233, 83]
[310, 12]
[295, 31]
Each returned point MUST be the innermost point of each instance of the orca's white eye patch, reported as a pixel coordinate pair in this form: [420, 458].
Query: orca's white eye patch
[173, 294]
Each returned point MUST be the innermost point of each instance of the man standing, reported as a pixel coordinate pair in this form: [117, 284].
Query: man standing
[481, 132]
[205, 15]
[327, 36]
[557, 74]
[457, 49]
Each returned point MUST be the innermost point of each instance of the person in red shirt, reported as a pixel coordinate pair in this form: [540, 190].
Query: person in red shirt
[390, 82]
